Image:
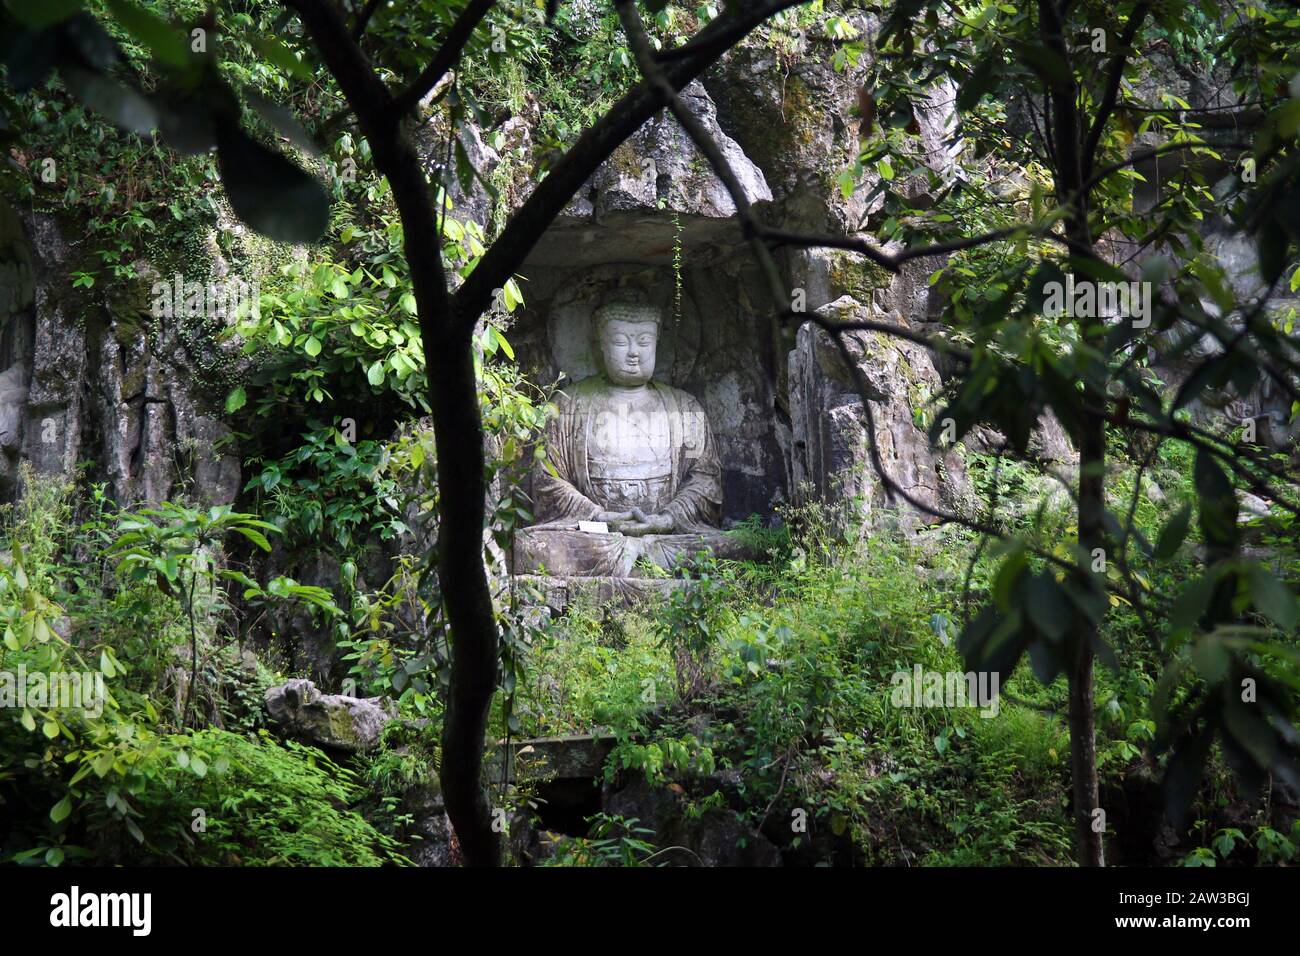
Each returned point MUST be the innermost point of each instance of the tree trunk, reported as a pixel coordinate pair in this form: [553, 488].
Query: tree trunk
[466, 595]
[1070, 165]
[1083, 722]
[462, 487]
[447, 332]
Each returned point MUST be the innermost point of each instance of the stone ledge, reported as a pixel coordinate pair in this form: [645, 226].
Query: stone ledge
[569, 757]
[557, 593]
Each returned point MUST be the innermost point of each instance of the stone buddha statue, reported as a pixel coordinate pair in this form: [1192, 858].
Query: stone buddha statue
[633, 469]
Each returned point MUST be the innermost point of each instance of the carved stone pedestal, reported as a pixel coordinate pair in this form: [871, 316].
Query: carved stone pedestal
[566, 552]
[557, 593]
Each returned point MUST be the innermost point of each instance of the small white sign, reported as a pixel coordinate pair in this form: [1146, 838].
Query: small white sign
[593, 527]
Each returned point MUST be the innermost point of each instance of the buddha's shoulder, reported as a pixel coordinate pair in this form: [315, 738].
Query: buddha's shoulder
[571, 392]
[595, 387]
[683, 398]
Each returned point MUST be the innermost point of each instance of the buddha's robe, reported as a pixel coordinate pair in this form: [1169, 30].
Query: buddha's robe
[614, 449]
[612, 452]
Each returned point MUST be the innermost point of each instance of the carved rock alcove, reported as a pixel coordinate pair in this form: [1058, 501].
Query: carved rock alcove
[713, 345]
[654, 218]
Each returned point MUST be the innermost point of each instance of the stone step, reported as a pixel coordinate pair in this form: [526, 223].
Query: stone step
[557, 593]
[569, 757]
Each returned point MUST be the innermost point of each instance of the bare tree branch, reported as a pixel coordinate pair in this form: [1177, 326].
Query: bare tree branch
[894, 262]
[595, 145]
[363, 19]
[1114, 77]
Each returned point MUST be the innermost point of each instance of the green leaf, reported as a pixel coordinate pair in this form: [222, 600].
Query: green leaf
[1218, 501]
[1272, 243]
[504, 345]
[61, 810]
[106, 664]
[312, 346]
[464, 168]
[1045, 62]
[1211, 658]
[283, 57]
[1046, 605]
[267, 191]
[254, 536]
[376, 374]
[514, 298]
[40, 14]
[282, 120]
[50, 729]
[848, 182]
[236, 400]
[1190, 605]
[120, 105]
[163, 40]
[1173, 533]
[1271, 597]
[1007, 577]
[977, 84]
[54, 856]
[27, 720]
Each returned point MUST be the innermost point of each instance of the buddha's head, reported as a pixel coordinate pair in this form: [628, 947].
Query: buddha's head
[627, 332]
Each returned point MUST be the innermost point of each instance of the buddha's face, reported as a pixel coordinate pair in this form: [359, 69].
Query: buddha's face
[628, 349]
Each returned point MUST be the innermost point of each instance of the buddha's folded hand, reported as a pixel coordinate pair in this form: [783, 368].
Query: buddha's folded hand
[641, 524]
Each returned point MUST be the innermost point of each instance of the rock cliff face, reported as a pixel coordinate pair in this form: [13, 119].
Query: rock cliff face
[834, 459]
[1266, 402]
[90, 377]
[656, 216]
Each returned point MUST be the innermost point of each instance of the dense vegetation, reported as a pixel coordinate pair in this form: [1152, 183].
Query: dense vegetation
[789, 704]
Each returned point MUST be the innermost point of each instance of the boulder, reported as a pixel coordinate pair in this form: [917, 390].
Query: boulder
[92, 374]
[656, 190]
[332, 721]
[432, 842]
[831, 455]
[716, 837]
